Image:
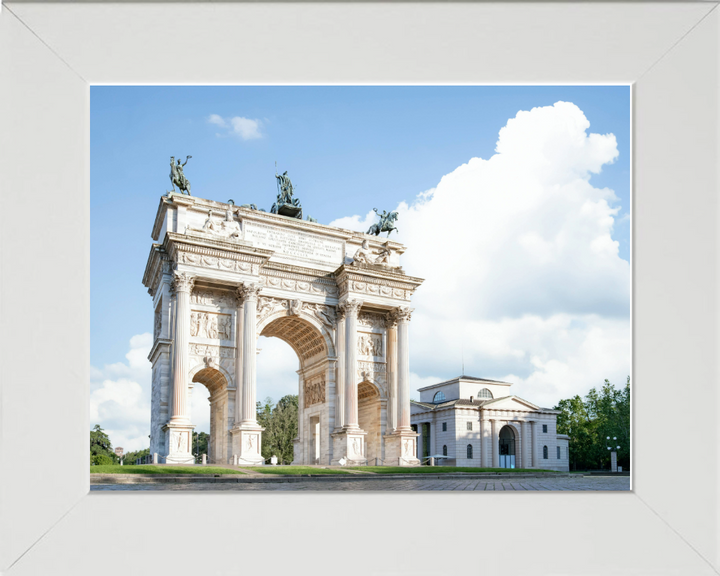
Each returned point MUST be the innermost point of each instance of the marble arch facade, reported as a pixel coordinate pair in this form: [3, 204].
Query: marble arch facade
[220, 276]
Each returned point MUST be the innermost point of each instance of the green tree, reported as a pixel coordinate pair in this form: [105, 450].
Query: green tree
[130, 457]
[589, 422]
[101, 451]
[200, 444]
[281, 426]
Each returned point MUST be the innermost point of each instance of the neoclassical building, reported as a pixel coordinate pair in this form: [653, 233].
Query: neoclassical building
[220, 276]
[478, 422]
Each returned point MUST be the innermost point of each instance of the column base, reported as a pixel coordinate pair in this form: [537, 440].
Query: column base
[246, 443]
[401, 449]
[350, 445]
[179, 443]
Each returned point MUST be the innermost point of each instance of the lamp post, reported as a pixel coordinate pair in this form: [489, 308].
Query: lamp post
[613, 454]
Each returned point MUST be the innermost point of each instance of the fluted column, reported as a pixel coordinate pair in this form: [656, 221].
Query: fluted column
[340, 378]
[182, 285]
[239, 327]
[392, 361]
[495, 441]
[351, 400]
[402, 315]
[249, 293]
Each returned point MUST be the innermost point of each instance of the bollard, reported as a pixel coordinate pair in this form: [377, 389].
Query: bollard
[155, 458]
[204, 460]
[432, 461]
[235, 459]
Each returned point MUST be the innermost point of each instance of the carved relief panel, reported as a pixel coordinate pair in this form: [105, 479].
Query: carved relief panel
[210, 325]
[370, 344]
[314, 391]
[158, 321]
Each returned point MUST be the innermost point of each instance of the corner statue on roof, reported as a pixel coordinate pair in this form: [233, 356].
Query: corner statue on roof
[286, 205]
[177, 176]
[386, 223]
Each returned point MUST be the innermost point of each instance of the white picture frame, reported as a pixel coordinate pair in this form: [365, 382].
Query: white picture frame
[51, 52]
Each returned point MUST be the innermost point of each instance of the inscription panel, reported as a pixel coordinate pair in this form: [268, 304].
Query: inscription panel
[294, 243]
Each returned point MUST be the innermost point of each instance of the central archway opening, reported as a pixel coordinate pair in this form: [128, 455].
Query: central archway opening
[293, 370]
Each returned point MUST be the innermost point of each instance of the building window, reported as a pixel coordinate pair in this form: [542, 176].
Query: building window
[545, 453]
[469, 425]
[469, 451]
[444, 450]
[444, 426]
[545, 428]
[485, 393]
[439, 397]
[558, 452]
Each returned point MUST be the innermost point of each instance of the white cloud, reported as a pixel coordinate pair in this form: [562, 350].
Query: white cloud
[120, 396]
[245, 128]
[355, 222]
[523, 277]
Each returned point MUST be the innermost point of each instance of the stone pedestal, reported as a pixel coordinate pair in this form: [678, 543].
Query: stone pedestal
[349, 444]
[179, 443]
[401, 449]
[246, 445]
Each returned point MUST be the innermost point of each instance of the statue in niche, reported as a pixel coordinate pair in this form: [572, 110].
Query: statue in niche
[386, 223]
[177, 176]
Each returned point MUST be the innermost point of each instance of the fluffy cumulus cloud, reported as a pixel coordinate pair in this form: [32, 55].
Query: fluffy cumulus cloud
[120, 396]
[245, 128]
[523, 279]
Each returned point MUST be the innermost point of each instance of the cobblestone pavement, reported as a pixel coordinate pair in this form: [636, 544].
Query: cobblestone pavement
[577, 483]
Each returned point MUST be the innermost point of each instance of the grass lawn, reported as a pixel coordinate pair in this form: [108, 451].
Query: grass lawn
[437, 469]
[296, 470]
[152, 469]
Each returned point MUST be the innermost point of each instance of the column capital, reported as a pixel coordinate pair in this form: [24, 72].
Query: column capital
[183, 282]
[247, 291]
[351, 307]
[390, 319]
[403, 313]
[340, 311]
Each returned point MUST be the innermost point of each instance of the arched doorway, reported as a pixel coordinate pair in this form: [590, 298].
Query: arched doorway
[370, 419]
[507, 447]
[216, 382]
[312, 342]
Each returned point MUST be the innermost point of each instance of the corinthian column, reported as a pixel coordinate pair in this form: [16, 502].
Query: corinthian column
[402, 315]
[249, 293]
[182, 285]
[351, 400]
[239, 327]
[340, 378]
[391, 331]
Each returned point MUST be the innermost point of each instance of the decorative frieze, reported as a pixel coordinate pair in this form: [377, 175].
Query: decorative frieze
[209, 325]
[216, 262]
[298, 284]
[206, 350]
[213, 298]
[371, 320]
[314, 391]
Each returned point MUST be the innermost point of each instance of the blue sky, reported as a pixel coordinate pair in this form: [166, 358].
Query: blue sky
[346, 149]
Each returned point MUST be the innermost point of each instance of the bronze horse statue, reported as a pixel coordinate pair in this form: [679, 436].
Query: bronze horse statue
[385, 224]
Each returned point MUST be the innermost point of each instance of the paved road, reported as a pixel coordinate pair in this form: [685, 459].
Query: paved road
[581, 483]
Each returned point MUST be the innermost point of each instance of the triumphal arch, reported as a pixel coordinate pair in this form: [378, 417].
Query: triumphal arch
[222, 275]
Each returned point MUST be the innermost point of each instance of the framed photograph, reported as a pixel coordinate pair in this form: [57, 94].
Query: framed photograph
[50, 56]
